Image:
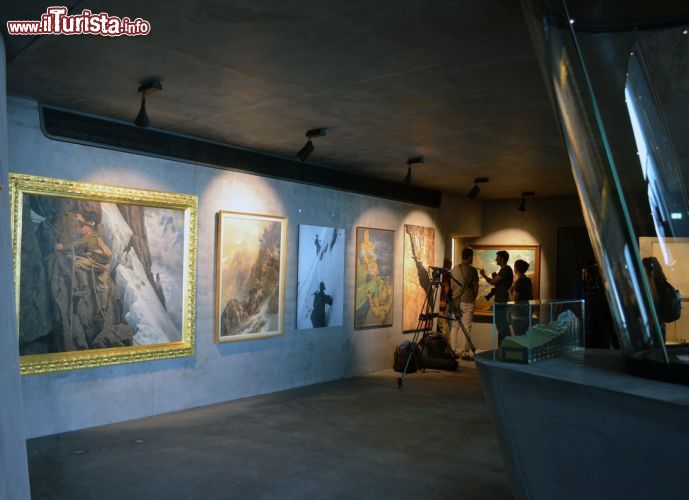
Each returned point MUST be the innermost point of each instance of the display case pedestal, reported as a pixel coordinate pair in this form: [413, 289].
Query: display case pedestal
[584, 428]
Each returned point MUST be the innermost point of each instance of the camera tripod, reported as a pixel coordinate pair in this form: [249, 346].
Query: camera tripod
[424, 328]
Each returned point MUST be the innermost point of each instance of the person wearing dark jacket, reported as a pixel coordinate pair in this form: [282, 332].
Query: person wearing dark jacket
[521, 292]
[502, 283]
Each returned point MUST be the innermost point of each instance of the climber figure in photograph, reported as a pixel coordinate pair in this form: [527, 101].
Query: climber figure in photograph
[314, 271]
[320, 300]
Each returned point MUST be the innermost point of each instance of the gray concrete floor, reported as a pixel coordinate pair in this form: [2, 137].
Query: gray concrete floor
[356, 438]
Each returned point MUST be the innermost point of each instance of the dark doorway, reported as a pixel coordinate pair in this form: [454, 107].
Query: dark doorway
[578, 278]
[574, 252]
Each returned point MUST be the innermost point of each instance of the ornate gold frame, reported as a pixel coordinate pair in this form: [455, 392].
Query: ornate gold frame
[21, 184]
[218, 276]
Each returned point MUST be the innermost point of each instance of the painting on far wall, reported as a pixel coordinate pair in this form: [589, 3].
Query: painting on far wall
[250, 276]
[103, 274]
[320, 286]
[419, 253]
[484, 258]
[374, 277]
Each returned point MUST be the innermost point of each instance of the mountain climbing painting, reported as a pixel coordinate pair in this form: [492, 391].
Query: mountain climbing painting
[419, 252]
[103, 274]
[320, 287]
[250, 276]
[374, 277]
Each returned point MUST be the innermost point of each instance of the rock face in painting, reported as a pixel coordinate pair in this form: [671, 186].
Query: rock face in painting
[134, 217]
[258, 312]
[83, 284]
[419, 250]
[374, 280]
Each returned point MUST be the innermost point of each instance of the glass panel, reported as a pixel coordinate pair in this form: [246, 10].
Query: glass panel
[619, 82]
[537, 330]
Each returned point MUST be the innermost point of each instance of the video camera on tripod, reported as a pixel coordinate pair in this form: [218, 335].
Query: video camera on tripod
[428, 314]
[437, 272]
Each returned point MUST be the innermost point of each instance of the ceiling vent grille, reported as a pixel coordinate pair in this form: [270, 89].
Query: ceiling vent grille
[69, 126]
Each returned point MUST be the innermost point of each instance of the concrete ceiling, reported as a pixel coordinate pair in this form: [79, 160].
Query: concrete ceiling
[454, 81]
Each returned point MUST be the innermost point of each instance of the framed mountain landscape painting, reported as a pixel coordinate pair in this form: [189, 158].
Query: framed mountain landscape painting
[250, 276]
[103, 274]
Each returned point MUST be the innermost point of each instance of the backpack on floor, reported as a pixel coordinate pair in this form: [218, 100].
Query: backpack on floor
[437, 353]
[402, 355]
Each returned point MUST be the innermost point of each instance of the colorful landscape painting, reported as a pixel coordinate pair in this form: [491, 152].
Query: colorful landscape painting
[250, 276]
[374, 277]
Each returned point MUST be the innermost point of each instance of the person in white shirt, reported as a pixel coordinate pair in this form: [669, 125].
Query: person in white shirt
[464, 291]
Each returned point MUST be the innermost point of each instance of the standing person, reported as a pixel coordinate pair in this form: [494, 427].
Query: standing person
[444, 326]
[464, 291]
[521, 292]
[502, 282]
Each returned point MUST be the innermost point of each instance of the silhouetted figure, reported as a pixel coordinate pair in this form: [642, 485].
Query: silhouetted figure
[521, 292]
[320, 299]
[502, 283]
[318, 245]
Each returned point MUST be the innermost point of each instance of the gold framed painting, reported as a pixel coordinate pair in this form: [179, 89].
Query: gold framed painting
[250, 276]
[484, 258]
[374, 277]
[103, 274]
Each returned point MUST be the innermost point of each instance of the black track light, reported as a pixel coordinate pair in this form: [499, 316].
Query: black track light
[142, 118]
[522, 205]
[308, 148]
[473, 193]
[410, 162]
[304, 152]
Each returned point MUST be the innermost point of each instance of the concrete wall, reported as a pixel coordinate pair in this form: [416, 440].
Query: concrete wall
[458, 215]
[78, 399]
[14, 480]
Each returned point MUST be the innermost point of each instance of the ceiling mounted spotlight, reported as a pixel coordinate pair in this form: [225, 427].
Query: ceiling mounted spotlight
[308, 148]
[522, 205]
[142, 118]
[476, 190]
[410, 162]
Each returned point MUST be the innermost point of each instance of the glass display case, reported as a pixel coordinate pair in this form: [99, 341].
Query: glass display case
[527, 332]
[618, 77]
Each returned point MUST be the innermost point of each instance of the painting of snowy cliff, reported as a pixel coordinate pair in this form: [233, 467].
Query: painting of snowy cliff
[98, 275]
[320, 289]
[250, 276]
